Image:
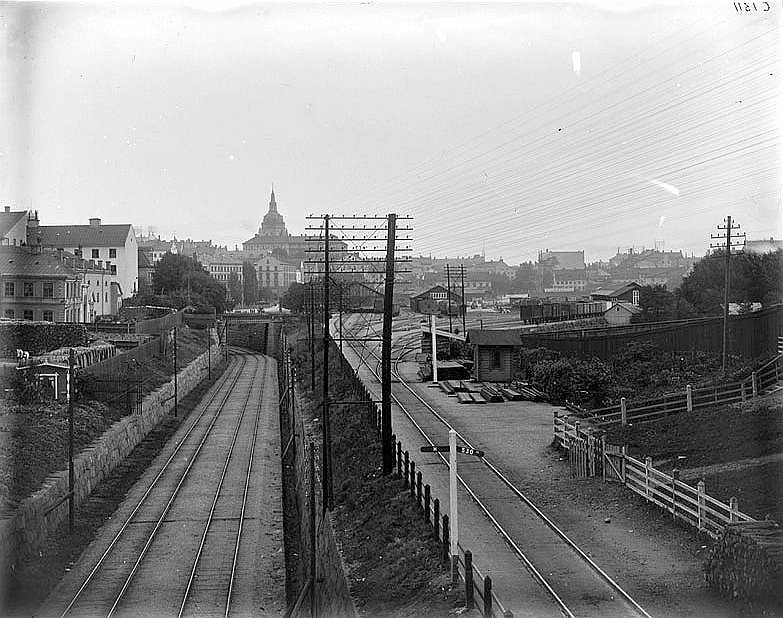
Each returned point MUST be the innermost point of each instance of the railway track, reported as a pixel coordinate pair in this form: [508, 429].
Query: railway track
[174, 550]
[572, 580]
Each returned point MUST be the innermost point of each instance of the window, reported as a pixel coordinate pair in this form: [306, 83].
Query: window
[112, 253]
[48, 289]
[9, 313]
[28, 314]
[29, 289]
[106, 294]
[48, 316]
[635, 297]
[494, 359]
[9, 288]
[95, 254]
[113, 269]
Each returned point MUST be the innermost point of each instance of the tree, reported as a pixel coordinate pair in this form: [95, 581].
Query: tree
[249, 282]
[183, 281]
[525, 278]
[754, 278]
[235, 288]
[174, 272]
[294, 297]
[657, 304]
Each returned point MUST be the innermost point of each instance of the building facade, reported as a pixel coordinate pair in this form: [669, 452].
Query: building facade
[38, 286]
[111, 246]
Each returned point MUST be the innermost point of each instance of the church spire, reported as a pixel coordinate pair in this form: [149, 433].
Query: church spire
[272, 202]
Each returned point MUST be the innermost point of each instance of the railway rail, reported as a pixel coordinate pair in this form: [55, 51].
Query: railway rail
[174, 550]
[573, 581]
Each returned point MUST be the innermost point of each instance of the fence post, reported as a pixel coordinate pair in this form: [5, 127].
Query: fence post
[754, 384]
[647, 466]
[622, 463]
[689, 397]
[623, 412]
[487, 596]
[590, 452]
[406, 464]
[576, 429]
[468, 579]
[555, 419]
[675, 478]
[413, 480]
[742, 391]
[603, 457]
[700, 491]
[446, 547]
[436, 516]
[418, 488]
[427, 503]
[733, 508]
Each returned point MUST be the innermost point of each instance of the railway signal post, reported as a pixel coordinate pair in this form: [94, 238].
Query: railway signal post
[452, 450]
[453, 515]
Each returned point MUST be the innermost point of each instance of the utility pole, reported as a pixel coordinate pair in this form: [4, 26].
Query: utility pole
[369, 235]
[387, 448]
[311, 333]
[448, 294]
[728, 229]
[327, 432]
[464, 304]
[71, 389]
[175, 372]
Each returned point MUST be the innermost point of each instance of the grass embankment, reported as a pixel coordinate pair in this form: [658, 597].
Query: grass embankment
[393, 558]
[34, 435]
[736, 449]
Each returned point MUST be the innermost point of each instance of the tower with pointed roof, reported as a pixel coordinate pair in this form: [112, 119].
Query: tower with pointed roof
[272, 224]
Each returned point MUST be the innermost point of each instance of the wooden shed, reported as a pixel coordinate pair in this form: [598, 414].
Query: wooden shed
[494, 354]
[51, 377]
[621, 313]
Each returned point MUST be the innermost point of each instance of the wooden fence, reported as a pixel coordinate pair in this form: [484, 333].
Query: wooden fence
[751, 335]
[590, 455]
[759, 381]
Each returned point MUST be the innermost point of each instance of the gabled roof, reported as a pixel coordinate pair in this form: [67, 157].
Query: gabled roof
[477, 336]
[630, 307]
[17, 261]
[617, 290]
[9, 219]
[112, 235]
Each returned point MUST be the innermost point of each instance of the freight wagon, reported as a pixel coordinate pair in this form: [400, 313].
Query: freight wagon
[556, 311]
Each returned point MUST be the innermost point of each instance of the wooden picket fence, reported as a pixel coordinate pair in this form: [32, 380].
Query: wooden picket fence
[761, 380]
[589, 456]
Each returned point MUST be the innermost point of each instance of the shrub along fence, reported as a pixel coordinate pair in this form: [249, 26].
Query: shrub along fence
[589, 455]
[765, 377]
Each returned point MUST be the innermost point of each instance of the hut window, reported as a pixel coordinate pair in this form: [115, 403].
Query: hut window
[495, 359]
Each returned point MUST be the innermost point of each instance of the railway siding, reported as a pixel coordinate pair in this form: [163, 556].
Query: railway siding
[28, 528]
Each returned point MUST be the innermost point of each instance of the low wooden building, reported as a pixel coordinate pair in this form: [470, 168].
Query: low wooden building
[437, 296]
[494, 354]
[621, 313]
[52, 378]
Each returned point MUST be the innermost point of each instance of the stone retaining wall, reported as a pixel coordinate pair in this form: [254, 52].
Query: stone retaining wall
[333, 594]
[27, 529]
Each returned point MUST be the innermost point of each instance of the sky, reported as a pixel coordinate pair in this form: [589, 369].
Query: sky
[504, 128]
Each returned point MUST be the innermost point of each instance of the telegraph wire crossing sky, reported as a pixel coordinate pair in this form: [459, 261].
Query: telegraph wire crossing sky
[509, 128]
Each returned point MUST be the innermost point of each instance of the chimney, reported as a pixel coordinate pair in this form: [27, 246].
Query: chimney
[95, 222]
[8, 209]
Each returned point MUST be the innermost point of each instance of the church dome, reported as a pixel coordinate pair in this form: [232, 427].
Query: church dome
[273, 224]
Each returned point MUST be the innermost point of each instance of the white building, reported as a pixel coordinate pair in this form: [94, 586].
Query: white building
[112, 247]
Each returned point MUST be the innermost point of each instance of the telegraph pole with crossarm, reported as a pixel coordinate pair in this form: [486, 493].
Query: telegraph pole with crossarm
[727, 246]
